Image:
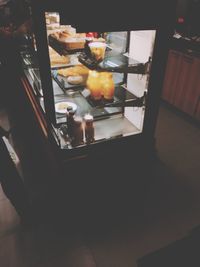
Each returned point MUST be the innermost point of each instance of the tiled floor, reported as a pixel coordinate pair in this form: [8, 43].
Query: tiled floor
[171, 207]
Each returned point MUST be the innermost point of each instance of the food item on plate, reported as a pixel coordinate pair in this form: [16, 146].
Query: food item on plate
[80, 35]
[53, 17]
[47, 21]
[68, 29]
[62, 106]
[55, 35]
[75, 80]
[65, 34]
[71, 43]
[53, 27]
[74, 71]
[71, 34]
[57, 59]
[51, 50]
[70, 39]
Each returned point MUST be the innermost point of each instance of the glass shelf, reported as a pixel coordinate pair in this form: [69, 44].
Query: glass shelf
[99, 109]
[112, 128]
[114, 62]
[65, 85]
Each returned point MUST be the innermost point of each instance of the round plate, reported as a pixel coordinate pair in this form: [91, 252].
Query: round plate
[61, 107]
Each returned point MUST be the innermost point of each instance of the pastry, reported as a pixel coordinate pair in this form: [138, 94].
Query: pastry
[74, 71]
[62, 106]
[80, 35]
[56, 35]
[55, 58]
[71, 43]
[52, 51]
[75, 80]
[63, 35]
[99, 40]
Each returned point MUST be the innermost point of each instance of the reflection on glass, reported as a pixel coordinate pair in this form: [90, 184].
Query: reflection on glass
[29, 54]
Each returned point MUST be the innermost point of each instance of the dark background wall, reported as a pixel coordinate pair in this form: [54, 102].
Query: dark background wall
[190, 11]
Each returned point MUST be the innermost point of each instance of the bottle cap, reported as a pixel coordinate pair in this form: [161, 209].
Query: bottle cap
[88, 117]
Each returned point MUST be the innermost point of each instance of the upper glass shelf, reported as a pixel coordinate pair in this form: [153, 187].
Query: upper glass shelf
[114, 62]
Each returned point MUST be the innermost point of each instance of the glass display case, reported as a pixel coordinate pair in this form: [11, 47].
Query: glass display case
[98, 82]
[95, 76]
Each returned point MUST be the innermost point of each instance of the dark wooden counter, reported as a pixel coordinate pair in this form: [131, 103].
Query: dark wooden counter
[181, 87]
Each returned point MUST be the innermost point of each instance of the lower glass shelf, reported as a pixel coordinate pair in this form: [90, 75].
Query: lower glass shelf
[104, 130]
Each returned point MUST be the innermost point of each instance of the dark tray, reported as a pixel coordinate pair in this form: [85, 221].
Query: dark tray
[63, 83]
[58, 46]
[122, 98]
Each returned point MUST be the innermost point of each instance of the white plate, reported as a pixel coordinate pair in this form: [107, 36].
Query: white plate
[61, 107]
